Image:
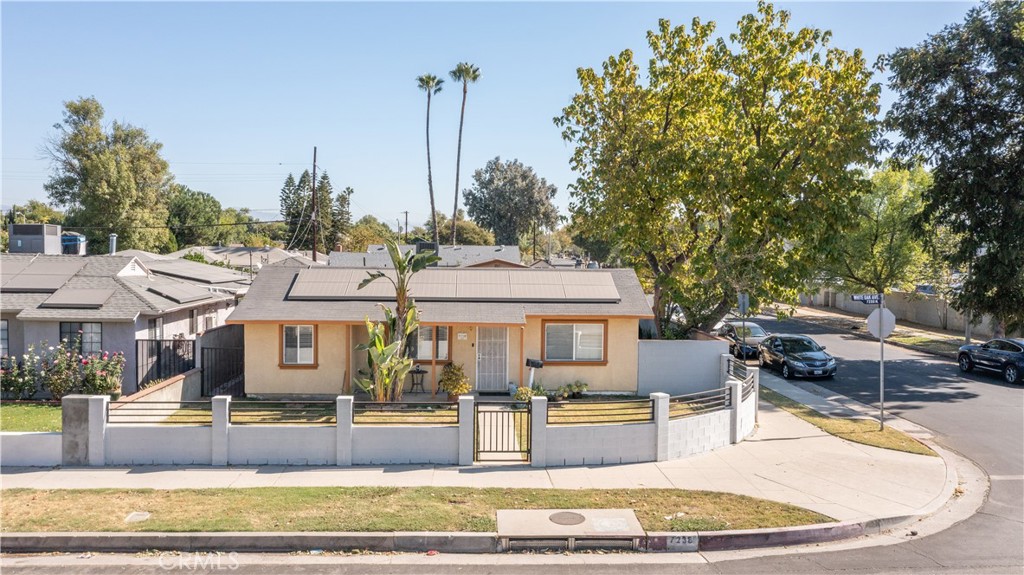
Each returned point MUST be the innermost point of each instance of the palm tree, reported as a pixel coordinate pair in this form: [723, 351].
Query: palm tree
[431, 84]
[464, 72]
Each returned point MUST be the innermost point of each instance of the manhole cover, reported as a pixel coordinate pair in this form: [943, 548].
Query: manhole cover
[567, 518]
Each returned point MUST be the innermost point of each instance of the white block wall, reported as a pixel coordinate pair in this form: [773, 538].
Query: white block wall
[386, 445]
[30, 449]
[282, 445]
[679, 367]
[156, 445]
[698, 433]
[748, 415]
[601, 444]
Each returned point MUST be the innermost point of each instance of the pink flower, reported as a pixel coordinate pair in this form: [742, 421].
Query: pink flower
[85, 361]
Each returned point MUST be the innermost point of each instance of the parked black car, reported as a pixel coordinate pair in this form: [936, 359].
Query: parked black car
[795, 356]
[743, 337]
[1002, 355]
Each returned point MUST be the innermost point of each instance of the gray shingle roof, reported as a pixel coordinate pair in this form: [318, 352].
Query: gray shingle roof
[267, 301]
[241, 256]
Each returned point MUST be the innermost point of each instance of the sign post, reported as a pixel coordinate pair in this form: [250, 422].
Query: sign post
[744, 305]
[881, 322]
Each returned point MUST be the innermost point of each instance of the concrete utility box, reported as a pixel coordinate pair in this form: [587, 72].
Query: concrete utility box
[34, 239]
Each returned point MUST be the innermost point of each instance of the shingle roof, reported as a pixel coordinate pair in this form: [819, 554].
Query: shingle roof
[267, 301]
[130, 296]
[241, 256]
[194, 272]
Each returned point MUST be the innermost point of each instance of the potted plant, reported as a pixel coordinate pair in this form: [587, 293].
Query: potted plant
[454, 381]
[523, 394]
[577, 388]
[559, 394]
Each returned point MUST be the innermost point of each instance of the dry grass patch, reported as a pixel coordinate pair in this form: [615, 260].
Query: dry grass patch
[374, 509]
[863, 431]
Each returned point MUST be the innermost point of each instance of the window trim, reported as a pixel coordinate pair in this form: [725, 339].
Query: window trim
[5, 327]
[81, 338]
[434, 359]
[280, 347]
[572, 321]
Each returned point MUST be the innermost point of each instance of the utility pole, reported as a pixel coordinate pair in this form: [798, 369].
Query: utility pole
[316, 222]
[406, 240]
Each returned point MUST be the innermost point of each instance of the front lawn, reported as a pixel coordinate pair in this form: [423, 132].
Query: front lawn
[29, 416]
[375, 509]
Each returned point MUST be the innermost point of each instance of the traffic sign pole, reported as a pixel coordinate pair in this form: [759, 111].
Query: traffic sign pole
[881, 367]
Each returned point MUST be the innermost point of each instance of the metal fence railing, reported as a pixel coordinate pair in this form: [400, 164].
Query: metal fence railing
[600, 412]
[158, 359]
[223, 371]
[697, 403]
[160, 412]
[247, 412]
[737, 368]
[748, 387]
[405, 413]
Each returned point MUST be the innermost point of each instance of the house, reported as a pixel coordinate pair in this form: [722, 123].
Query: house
[116, 303]
[376, 256]
[251, 259]
[215, 278]
[302, 326]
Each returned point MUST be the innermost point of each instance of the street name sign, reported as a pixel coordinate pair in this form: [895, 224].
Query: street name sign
[868, 298]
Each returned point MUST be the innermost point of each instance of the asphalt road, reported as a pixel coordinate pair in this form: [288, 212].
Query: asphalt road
[976, 415]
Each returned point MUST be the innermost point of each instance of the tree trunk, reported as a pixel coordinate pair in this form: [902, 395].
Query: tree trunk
[998, 328]
[723, 307]
[458, 161]
[430, 184]
[659, 313]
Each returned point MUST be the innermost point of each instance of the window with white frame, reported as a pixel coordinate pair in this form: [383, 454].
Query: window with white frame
[583, 342]
[5, 344]
[428, 343]
[298, 342]
[88, 335]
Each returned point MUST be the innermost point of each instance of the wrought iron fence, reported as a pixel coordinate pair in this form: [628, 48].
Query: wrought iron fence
[600, 412]
[160, 412]
[247, 412]
[405, 413]
[158, 359]
[737, 368]
[502, 431]
[697, 403]
[223, 371]
[748, 387]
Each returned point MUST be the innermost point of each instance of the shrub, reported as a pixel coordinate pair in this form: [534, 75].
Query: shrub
[20, 379]
[103, 373]
[523, 394]
[453, 379]
[62, 372]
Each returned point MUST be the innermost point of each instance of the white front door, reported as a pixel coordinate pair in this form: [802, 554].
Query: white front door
[492, 359]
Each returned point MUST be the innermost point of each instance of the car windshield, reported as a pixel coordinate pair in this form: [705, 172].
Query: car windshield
[750, 331]
[799, 345]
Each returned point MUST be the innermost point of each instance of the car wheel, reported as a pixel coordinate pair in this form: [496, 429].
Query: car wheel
[786, 373]
[965, 362]
[1011, 374]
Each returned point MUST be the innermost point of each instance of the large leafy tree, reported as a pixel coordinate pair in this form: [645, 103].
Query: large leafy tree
[368, 230]
[883, 250]
[729, 167]
[466, 73]
[430, 84]
[193, 216]
[961, 110]
[110, 180]
[509, 198]
[467, 232]
[33, 212]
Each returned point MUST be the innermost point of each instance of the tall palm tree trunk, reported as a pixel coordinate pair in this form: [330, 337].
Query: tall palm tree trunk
[430, 183]
[458, 162]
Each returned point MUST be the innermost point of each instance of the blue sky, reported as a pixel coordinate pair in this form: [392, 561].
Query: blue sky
[239, 93]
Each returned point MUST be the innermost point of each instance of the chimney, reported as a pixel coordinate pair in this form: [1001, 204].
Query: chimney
[113, 243]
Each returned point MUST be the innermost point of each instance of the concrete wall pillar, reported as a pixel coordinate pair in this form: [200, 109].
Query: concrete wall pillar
[220, 429]
[660, 401]
[84, 429]
[538, 431]
[467, 429]
[736, 393]
[344, 431]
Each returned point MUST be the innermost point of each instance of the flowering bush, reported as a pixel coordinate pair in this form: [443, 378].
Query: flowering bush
[19, 378]
[62, 373]
[103, 373]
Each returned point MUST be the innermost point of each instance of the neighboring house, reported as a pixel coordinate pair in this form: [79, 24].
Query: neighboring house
[215, 278]
[302, 327]
[112, 301]
[376, 256]
[251, 259]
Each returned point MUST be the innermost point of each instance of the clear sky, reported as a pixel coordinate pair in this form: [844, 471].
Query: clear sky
[239, 93]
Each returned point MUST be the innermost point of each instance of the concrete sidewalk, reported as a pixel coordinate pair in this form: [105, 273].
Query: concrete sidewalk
[786, 460]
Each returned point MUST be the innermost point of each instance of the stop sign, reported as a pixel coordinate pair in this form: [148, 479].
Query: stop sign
[881, 322]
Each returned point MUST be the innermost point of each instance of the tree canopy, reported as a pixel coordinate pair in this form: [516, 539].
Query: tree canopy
[509, 199]
[960, 108]
[467, 233]
[730, 166]
[193, 216]
[110, 180]
[368, 230]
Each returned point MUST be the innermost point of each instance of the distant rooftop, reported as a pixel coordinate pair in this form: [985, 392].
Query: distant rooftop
[376, 256]
[244, 257]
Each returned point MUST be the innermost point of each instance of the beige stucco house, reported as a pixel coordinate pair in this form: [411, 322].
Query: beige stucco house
[302, 327]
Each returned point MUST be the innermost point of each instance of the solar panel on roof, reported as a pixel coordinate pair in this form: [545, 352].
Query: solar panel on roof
[87, 298]
[181, 293]
[29, 282]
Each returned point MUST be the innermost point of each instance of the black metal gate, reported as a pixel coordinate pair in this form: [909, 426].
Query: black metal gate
[502, 431]
[223, 371]
[158, 359]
